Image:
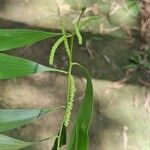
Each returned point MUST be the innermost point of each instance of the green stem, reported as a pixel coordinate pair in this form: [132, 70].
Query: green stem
[60, 132]
[82, 11]
[57, 70]
[54, 136]
[68, 86]
[51, 109]
[69, 69]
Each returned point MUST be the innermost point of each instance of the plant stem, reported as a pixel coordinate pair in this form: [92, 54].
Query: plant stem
[51, 109]
[70, 64]
[68, 85]
[60, 132]
[54, 136]
[58, 70]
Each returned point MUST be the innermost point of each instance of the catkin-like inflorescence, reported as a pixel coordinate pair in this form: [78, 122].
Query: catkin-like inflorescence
[78, 34]
[70, 99]
[65, 39]
[53, 50]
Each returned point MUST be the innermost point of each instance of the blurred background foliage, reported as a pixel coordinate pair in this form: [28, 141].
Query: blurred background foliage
[114, 52]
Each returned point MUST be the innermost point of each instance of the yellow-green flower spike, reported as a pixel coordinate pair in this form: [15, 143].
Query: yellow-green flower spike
[78, 34]
[53, 50]
[65, 39]
[70, 100]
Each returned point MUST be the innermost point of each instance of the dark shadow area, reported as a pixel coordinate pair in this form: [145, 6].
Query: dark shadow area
[3, 4]
[104, 56]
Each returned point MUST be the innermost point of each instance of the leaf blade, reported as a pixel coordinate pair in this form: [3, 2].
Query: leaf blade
[8, 143]
[15, 38]
[79, 138]
[13, 67]
[13, 118]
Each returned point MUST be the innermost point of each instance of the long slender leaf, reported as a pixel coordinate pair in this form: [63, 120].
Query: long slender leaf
[63, 139]
[13, 118]
[15, 38]
[80, 138]
[87, 20]
[8, 143]
[12, 67]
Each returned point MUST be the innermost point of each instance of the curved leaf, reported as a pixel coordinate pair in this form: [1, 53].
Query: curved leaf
[8, 143]
[13, 118]
[15, 38]
[86, 21]
[80, 138]
[12, 67]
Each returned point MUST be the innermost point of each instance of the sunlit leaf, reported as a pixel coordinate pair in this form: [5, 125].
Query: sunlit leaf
[8, 143]
[15, 38]
[79, 139]
[13, 67]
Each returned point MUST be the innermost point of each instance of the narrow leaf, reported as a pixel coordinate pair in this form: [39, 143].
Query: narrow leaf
[79, 139]
[12, 67]
[13, 118]
[15, 38]
[63, 139]
[8, 143]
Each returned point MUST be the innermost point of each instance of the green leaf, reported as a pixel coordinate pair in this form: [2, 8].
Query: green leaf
[15, 38]
[80, 134]
[63, 139]
[12, 67]
[132, 7]
[132, 65]
[86, 21]
[13, 118]
[8, 143]
[135, 58]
